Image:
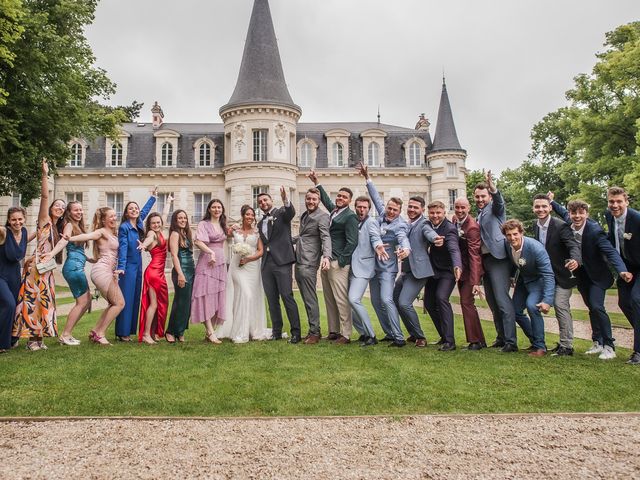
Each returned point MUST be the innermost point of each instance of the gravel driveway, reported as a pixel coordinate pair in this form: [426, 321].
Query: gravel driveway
[474, 446]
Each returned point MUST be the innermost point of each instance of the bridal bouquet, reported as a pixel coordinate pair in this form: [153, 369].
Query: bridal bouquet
[242, 249]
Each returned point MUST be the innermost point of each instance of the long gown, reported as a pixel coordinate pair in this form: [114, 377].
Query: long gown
[209, 283]
[73, 270]
[154, 278]
[245, 317]
[102, 270]
[181, 306]
[10, 255]
[36, 309]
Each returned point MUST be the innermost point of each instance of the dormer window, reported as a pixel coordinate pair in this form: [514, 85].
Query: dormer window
[373, 146]
[116, 151]
[338, 155]
[116, 155]
[338, 147]
[75, 160]
[166, 148]
[307, 149]
[167, 155]
[414, 151]
[204, 151]
[373, 155]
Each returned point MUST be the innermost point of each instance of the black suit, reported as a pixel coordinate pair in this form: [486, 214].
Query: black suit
[277, 263]
[561, 245]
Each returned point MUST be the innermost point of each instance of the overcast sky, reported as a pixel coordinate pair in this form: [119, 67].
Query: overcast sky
[507, 62]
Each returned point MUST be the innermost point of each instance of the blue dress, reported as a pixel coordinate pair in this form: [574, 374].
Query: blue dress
[10, 255]
[130, 261]
[73, 270]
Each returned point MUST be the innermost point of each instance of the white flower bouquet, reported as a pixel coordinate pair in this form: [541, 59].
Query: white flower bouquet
[242, 249]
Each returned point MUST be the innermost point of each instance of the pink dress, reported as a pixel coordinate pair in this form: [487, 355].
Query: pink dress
[102, 270]
[209, 283]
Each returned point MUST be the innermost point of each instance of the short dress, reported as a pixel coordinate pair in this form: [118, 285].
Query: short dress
[102, 270]
[73, 270]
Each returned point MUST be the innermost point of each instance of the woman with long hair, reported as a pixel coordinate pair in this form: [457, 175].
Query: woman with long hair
[13, 247]
[181, 249]
[155, 293]
[36, 309]
[103, 272]
[73, 269]
[130, 265]
[208, 299]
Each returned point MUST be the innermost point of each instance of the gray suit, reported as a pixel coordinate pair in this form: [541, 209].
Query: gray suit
[363, 269]
[312, 244]
[415, 270]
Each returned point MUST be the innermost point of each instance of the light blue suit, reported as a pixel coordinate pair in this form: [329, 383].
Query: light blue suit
[416, 268]
[535, 283]
[497, 270]
[392, 233]
[363, 269]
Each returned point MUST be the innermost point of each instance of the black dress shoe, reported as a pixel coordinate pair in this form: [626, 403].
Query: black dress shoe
[508, 348]
[411, 339]
[362, 338]
[562, 352]
[447, 347]
[556, 348]
[439, 342]
[369, 342]
[635, 359]
[295, 339]
[275, 336]
[386, 338]
[497, 344]
[397, 343]
[332, 336]
[475, 346]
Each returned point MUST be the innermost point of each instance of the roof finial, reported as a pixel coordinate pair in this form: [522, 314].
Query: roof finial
[378, 114]
[443, 79]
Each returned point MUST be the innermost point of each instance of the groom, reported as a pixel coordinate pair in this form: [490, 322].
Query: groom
[275, 233]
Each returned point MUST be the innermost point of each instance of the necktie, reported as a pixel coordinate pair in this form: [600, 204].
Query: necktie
[620, 235]
[578, 236]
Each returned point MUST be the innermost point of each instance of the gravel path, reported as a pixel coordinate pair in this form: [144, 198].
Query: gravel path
[503, 446]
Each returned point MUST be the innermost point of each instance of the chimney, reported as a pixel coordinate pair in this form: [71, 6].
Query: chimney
[156, 115]
[423, 124]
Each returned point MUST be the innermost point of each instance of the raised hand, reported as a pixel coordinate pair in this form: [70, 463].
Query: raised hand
[45, 167]
[313, 177]
[283, 194]
[170, 198]
[154, 191]
[140, 246]
[489, 179]
[551, 195]
[363, 170]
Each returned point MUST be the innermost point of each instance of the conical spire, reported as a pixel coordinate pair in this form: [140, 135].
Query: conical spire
[261, 79]
[445, 137]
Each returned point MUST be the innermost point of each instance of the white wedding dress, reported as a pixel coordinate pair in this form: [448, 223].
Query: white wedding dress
[245, 317]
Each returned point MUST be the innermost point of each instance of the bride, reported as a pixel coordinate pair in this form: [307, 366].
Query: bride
[245, 312]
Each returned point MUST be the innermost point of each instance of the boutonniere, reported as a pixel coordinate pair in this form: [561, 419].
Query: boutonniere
[383, 231]
[627, 236]
[271, 219]
[461, 233]
[522, 262]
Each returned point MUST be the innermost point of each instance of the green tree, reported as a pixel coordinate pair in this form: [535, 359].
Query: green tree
[10, 31]
[51, 88]
[473, 178]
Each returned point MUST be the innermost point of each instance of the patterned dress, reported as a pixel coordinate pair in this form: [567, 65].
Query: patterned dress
[36, 309]
[210, 281]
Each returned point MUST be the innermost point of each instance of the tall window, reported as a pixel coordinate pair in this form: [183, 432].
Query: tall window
[260, 145]
[452, 169]
[338, 154]
[255, 191]
[453, 196]
[16, 200]
[116, 155]
[75, 160]
[200, 202]
[116, 201]
[162, 201]
[373, 155]
[414, 155]
[204, 155]
[74, 197]
[306, 155]
[166, 159]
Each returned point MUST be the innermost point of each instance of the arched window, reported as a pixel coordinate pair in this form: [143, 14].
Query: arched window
[306, 155]
[373, 155]
[167, 155]
[116, 155]
[338, 154]
[75, 160]
[205, 155]
[414, 155]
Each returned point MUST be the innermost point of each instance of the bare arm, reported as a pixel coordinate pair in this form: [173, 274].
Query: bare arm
[174, 247]
[167, 209]
[68, 230]
[43, 212]
[150, 241]
[85, 237]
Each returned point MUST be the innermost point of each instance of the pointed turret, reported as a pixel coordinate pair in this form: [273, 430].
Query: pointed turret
[445, 137]
[261, 78]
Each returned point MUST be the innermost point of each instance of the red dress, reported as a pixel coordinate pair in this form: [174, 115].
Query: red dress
[154, 278]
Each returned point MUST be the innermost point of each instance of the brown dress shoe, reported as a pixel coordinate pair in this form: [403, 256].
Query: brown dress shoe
[537, 353]
[342, 340]
[332, 336]
[421, 342]
[312, 339]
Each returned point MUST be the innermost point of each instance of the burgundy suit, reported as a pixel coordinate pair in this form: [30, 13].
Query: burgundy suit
[469, 239]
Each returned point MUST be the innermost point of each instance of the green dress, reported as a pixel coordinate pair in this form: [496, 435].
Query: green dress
[181, 307]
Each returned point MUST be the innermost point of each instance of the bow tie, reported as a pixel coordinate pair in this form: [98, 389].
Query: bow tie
[267, 214]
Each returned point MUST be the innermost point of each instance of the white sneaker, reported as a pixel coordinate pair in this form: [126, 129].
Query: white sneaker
[597, 348]
[607, 353]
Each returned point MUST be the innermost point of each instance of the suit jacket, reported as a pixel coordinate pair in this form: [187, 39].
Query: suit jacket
[561, 244]
[128, 253]
[363, 260]
[446, 257]
[597, 252]
[421, 236]
[279, 244]
[313, 241]
[469, 242]
[631, 245]
[533, 265]
[490, 219]
[393, 233]
[343, 231]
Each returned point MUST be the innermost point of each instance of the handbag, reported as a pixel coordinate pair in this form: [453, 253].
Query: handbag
[44, 267]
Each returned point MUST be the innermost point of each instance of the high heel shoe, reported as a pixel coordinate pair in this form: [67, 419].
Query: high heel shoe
[69, 341]
[148, 340]
[211, 338]
[169, 338]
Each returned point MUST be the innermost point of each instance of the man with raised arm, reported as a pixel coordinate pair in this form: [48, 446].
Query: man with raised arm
[343, 230]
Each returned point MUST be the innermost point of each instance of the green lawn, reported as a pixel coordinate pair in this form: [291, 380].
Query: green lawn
[275, 379]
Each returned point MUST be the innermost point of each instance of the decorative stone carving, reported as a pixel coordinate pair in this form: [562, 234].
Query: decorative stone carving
[281, 133]
[239, 132]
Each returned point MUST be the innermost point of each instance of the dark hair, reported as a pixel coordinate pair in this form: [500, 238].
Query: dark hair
[147, 222]
[348, 190]
[244, 209]
[420, 200]
[13, 210]
[512, 224]
[223, 217]
[481, 186]
[541, 196]
[124, 212]
[396, 200]
[436, 204]
[363, 198]
[618, 191]
[264, 194]
[575, 205]
[313, 190]
[78, 227]
[184, 233]
[57, 228]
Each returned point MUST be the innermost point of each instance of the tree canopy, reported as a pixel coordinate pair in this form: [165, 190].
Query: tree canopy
[50, 89]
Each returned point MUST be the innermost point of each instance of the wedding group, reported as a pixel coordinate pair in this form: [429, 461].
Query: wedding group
[395, 258]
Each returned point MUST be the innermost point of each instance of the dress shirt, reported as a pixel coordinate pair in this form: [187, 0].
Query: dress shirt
[517, 254]
[542, 231]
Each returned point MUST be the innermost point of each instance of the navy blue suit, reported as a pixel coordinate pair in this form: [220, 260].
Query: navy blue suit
[629, 293]
[594, 276]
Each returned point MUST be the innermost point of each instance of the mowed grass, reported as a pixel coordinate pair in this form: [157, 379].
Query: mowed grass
[278, 379]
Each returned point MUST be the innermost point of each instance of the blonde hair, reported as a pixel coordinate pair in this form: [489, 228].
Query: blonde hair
[98, 222]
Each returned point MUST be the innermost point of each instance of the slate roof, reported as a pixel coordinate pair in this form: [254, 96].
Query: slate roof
[445, 137]
[261, 78]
